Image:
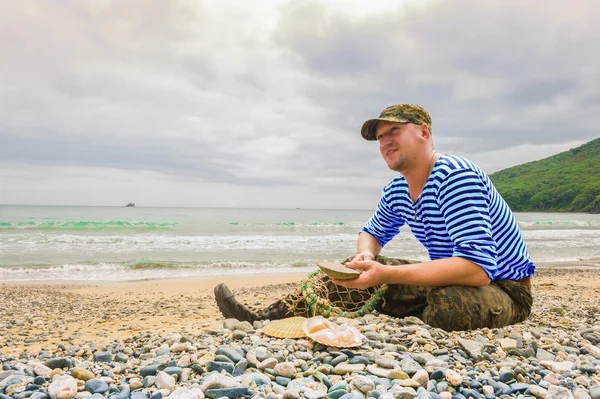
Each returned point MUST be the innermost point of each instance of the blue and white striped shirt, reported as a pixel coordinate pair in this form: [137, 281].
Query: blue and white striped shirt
[459, 213]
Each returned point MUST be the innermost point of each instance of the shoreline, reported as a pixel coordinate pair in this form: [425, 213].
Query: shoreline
[253, 278]
[201, 280]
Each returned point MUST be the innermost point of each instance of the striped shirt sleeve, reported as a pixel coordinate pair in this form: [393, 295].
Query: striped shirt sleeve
[385, 223]
[463, 201]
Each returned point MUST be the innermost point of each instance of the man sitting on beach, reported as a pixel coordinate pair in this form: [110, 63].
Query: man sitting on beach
[480, 271]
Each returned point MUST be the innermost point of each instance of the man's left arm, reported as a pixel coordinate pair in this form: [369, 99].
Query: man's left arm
[435, 273]
[440, 273]
[463, 201]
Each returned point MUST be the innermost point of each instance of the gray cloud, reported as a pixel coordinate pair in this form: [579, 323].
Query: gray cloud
[510, 73]
[272, 96]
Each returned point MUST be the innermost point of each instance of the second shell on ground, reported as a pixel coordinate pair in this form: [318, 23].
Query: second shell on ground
[328, 333]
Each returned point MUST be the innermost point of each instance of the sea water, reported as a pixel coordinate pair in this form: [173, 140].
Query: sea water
[70, 243]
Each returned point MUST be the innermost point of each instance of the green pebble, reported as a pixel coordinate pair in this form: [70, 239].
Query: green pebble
[337, 394]
[318, 375]
[343, 385]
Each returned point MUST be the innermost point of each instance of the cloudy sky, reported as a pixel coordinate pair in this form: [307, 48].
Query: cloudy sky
[259, 103]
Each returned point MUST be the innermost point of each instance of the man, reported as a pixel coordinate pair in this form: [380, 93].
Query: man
[480, 272]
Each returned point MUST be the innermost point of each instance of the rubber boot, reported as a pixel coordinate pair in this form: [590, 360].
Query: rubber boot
[275, 311]
[231, 308]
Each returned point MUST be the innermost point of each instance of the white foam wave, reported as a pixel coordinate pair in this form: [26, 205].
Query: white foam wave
[97, 245]
[121, 272]
[558, 224]
[104, 256]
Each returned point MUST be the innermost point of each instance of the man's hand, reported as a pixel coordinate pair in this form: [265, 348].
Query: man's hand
[373, 273]
[365, 255]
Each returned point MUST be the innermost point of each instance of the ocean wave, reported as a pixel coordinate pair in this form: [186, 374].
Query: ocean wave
[172, 241]
[558, 224]
[581, 235]
[182, 226]
[155, 265]
[122, 243]
[87, 225]
[149, 269]
[233, 226]
[144, 264]
[21, 248]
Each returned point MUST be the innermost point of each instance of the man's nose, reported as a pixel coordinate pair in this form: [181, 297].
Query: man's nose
[384, 141]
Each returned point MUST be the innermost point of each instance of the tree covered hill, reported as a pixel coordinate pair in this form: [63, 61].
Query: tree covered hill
[566, 182]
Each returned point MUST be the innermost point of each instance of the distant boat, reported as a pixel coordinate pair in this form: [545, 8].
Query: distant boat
[131, 204]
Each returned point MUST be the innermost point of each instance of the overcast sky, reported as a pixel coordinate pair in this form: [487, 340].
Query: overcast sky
[259, 103]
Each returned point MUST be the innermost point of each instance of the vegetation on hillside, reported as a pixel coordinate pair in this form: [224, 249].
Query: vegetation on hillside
[566, 182]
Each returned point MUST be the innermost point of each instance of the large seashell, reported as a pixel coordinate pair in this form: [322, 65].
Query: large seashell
[285, 328]
[328, 333]
[337, 270]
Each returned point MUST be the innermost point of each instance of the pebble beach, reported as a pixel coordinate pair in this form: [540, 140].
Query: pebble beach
[155, 339]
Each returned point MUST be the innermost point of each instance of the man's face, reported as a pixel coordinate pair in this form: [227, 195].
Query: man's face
[399, 143]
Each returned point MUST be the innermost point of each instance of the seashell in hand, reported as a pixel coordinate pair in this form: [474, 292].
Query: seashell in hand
[337, 270]
[328, 333]
[285, 328]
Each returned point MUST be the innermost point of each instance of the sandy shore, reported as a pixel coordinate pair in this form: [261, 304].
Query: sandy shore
[40, 315]
[36, 316]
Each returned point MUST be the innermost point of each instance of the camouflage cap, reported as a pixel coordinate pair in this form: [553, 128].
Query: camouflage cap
[402, 113]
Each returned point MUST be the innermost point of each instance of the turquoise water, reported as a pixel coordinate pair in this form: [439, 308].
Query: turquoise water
[114, 243]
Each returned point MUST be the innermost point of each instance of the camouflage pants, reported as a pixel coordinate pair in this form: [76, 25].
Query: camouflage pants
[455, 308]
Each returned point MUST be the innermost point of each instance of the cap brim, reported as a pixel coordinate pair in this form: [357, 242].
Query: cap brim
[369, 128]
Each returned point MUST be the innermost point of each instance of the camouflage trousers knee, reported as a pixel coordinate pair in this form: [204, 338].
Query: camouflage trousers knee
[451, 308]
[456, 308]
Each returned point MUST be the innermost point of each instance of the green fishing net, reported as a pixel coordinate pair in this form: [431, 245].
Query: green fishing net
[320, 296]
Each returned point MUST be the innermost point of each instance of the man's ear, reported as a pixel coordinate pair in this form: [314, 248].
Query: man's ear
[425, 132]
